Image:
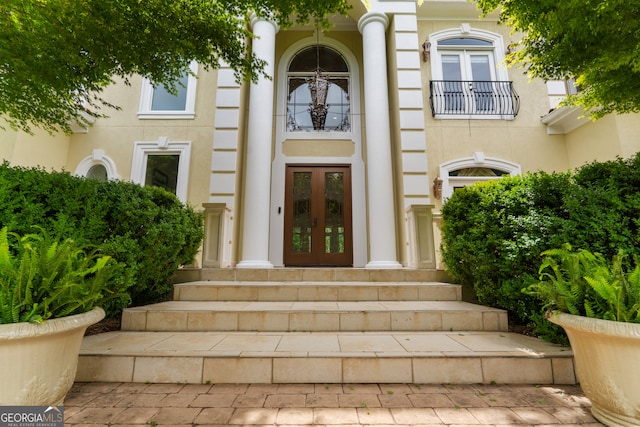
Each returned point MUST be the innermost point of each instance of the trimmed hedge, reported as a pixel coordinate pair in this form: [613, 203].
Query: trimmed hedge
[146, 228]
[494, 232]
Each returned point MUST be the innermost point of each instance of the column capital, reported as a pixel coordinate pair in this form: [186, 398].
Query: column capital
[373, 17]
[254, 19]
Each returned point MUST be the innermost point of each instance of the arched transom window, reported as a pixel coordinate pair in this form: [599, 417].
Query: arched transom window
[318, 91]
[469, 170]
[97, 166]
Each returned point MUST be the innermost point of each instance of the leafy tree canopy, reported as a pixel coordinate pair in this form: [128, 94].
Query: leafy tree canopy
[56, 56]
[597, 42]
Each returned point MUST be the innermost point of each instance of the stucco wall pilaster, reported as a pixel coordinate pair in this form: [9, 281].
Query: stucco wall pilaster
[408, 86]
[223, 180]
[408, 131]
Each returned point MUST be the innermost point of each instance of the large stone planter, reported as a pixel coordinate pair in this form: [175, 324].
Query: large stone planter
[607, 359]
[38, 362]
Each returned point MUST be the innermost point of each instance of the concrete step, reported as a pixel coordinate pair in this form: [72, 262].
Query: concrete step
[319, 325]
[322, 357]
[281, 316]
[292, 274]
[316, 291]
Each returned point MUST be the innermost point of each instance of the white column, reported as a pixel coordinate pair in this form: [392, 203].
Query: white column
[257, 188]
[382, 225]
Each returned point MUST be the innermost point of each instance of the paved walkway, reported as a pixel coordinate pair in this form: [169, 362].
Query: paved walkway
[130, 404]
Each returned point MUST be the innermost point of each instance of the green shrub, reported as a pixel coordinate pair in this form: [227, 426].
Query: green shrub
[494, 233]
[492, 236]
[47, 279]
[146, 228]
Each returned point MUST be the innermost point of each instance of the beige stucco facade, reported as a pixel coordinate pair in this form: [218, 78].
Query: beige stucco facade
[395, 147]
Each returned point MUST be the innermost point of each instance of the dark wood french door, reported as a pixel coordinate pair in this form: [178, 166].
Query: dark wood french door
[317, 216]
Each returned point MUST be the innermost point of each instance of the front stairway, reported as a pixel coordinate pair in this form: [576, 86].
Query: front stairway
[319, 325]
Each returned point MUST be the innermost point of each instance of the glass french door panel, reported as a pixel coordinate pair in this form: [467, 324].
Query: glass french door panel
[480, 67]
[453, 91]
[451, 67]
[302, 214]
[334, 228]
[483, 94]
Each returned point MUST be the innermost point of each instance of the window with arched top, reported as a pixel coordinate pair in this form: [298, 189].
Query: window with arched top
[97, 166]
[469, 170]
[468, 80]
[98, 172]
[318, 91]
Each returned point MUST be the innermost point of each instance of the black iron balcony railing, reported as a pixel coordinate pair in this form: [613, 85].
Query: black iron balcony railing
[473, 98]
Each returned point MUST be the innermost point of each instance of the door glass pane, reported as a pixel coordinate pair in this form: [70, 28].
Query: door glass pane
[482, 86]
[162, 171]
[480, 68]
[301, 236]
[451, 67]
[454, 99]
[334, 213]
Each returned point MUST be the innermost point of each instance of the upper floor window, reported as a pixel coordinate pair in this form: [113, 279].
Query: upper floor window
[559, 89]
[157, 102]
[318, 91]
[466, 79]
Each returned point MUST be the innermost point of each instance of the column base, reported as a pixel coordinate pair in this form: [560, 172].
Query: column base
[254, 264]
[383, 265]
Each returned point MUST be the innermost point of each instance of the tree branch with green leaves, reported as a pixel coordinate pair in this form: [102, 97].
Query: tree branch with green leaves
[595, 42]
[57, 56]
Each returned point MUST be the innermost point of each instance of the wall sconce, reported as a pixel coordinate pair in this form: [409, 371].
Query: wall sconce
[426, 51]
[437, 188]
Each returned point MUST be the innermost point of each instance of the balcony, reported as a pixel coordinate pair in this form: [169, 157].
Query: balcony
[471, 99]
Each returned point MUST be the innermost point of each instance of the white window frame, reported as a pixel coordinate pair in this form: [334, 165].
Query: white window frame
[142, 150]
[146, 98]
[477, 160]
[499, 73]
[97, 158]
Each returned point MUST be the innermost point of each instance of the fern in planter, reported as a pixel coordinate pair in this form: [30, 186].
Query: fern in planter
[41, 278]
[586, 284]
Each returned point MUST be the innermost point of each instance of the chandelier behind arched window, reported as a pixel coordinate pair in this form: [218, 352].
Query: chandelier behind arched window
[318, 91]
